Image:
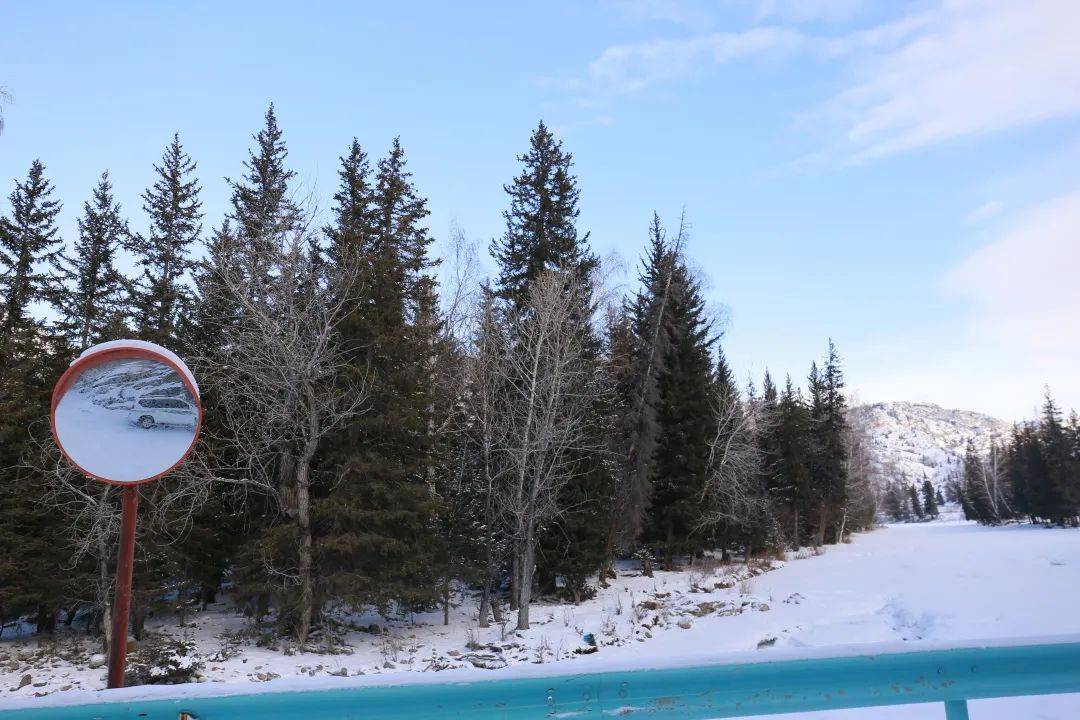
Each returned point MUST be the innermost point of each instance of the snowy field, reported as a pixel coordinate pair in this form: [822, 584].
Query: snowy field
[933, 582]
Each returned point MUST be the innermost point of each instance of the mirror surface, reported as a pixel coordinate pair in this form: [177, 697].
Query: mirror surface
[126, 420]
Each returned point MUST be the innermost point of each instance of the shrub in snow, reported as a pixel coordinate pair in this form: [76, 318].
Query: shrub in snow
[163, 661]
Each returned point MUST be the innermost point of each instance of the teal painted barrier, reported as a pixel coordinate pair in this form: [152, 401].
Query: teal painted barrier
[697, 692]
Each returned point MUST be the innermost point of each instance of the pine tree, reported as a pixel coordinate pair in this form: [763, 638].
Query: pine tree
[916, 506]
[637, 348]
[1059, 501]
[354, 211]
[974, 499]
[541, 234]
[374, 533]
[159, 295]
[829, 454]
[776, 484]
[263, 213]
[930, 506]
[29, 251]
[541, 223]
[31, 542]
[895, 502]
[214, 308]
[793, 480]
[92, 308]
[685, 419]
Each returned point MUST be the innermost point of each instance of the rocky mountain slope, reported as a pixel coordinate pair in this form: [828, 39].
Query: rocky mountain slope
[912, 441]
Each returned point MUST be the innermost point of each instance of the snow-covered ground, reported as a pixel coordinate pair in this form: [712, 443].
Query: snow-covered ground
[939, 582]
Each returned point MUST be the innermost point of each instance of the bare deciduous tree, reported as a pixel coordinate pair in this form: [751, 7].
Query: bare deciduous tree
[731, 493]
[280, 389]
[863, 499]
[487, 433]
[992, 483]
[542, 382]
[92, 514]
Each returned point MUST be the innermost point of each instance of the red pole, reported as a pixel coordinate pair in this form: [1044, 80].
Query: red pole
[125, 561]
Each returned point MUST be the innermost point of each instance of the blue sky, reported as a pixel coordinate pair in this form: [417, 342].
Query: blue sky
[901, 177]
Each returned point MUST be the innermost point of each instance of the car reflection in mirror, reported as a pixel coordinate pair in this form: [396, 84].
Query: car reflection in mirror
[152, 411]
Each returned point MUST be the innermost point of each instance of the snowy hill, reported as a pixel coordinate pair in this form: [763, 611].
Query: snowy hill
[912, 441]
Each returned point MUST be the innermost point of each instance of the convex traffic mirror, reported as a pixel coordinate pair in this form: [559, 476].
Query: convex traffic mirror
[126, 412]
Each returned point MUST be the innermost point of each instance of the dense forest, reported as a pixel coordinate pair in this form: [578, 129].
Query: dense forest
[1033, 475]
[381, 432]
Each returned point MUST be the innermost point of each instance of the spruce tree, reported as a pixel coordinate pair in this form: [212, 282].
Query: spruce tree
[793, 479]
[644, 346]
[686, 420]
[541, 223]
[29, 251]
[92, 307]
[973, 496]
[262, 222]
[776, 484]
[374, 532]
[929, 502]
[1022, 457]
[354, 210]
[31, 535]
[829, 450]
[263, 213]
[541, 234]
[159, 294]
[916, 506]
[895, 502]
[1060, 501]
[201, 329]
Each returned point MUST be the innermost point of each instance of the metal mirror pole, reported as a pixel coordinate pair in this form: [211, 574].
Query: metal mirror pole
[125, 561]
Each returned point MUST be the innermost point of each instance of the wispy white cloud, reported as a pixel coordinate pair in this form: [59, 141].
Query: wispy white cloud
[959, 69]
[622, 69]
[1023, 301]
[978, 67]
[1012, 327]
[1022, 287]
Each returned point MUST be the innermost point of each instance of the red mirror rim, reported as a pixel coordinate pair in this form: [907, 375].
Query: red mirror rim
[122, 353]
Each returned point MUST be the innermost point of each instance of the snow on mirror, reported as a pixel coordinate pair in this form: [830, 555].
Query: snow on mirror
[127, 413]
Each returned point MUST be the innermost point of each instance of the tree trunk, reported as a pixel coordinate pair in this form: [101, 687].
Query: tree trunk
[181, 603]
[525, 588]
[303, 524]
[45, 620]
[138, 618]
[795, 531]
[515, 578]
[103, 590]
[485, 605]
[446, 602]
[823, 522]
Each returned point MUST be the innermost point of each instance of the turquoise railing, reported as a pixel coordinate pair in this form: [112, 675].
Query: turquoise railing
[693, 692]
